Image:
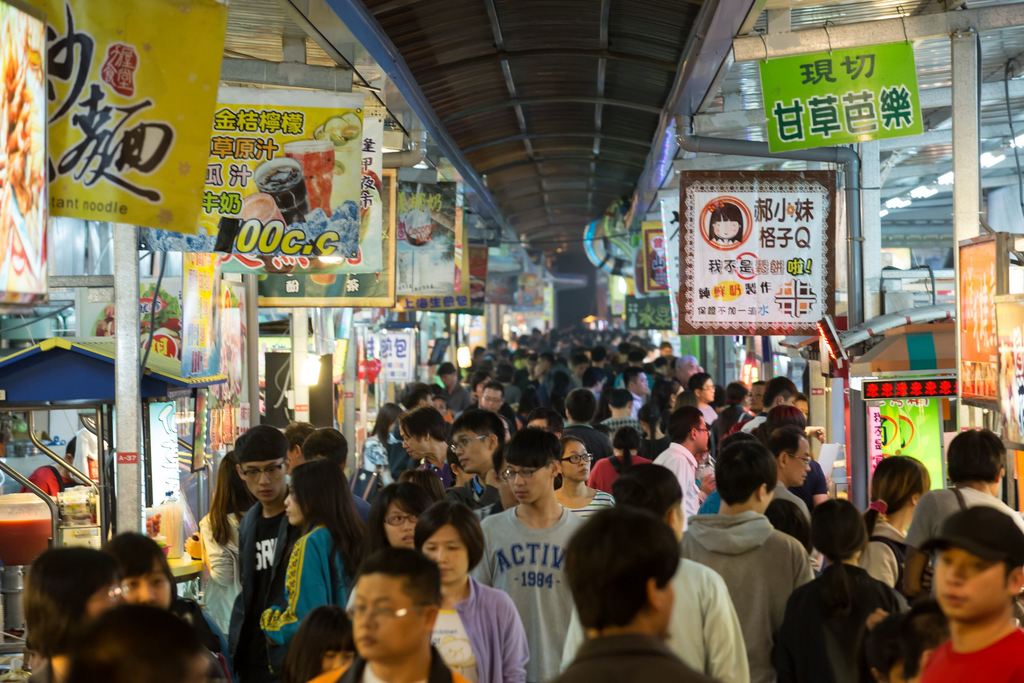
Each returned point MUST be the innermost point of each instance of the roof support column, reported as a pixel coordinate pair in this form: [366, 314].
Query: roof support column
[127, 380]
[871, 226]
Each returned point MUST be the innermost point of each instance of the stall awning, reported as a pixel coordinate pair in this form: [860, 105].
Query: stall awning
[62, 369]
[914, 347]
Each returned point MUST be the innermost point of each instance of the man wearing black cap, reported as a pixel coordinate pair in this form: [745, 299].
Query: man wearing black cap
[457, 397]
[978, 575]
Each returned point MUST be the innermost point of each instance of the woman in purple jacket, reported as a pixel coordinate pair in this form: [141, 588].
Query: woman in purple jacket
[478, 630]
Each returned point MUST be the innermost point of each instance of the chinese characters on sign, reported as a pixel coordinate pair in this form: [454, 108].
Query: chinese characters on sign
[433, 262]
[670, 221]
[1010, 330]
[130, 106]
[649, 313]
[396, 350]
[979, 354]
[756, 252]
[200, 292]
[841, 97]
[655, 263]
[911, 427]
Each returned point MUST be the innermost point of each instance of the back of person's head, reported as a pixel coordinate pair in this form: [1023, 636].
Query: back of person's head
[786, 517]
[636, 356]
[898, 480]
[620, 398]
[925, 628]
[532, 448]
[784, 416]
[654, 489]
[421, 579]
[297, 433]
[779, 388]
[504, 373]
[414, 395]
[649, 415]
[737, 437]
[230, 497]
[137, 555]
[697, 381]
[386, 417]
[262, 443]
[592, 377]
[635, 553]
[627, 440]
[409, 499]
[550, 417]
[598, 354]
[425, 479]
[57, 592]
[682, 422]
[976, 455]
[446, 368]
[328, 443]
[134, 643]
[579, 358]
[742, 468]
[786, 440]
[479, 378]
[460, 518]
[882, 650]
[425, 422]
[838, 532]
[580, 405]
[736, 393]
[326, 632]
[480, 422]
[322, 493]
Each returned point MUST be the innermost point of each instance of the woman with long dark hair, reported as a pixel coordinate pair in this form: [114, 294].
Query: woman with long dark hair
[652, 422]
[219, 534]
[323, 648]
[897, 485]
[626, 446]
[825, 619]
[324, 561]
[375, 449]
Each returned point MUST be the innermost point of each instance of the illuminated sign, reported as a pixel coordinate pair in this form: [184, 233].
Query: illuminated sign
[920, 387]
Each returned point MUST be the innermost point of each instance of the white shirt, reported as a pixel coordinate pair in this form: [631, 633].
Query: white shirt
[638, 403]
[452, 641]
[682, 463]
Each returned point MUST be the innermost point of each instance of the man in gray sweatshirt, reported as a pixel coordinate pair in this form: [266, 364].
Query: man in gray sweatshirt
[760, 566]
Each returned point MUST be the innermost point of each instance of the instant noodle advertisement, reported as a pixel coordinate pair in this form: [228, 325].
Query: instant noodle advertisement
[23, 192]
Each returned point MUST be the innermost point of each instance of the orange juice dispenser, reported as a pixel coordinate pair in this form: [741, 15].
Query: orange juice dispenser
[27, 523]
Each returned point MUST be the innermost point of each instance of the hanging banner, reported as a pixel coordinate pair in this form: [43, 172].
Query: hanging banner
[1010, 331]
[23, 188]
[670, 222]
[911, 427]
[478, 257]
[655, 264]
[841, 97]
[529, 293]
[501, 290]
[648, 313]
[226, 422]
[396, 351]
[756, 251]
[200, 354]
[98, 319]
[982, 267]
[130, 105]
[433, 262]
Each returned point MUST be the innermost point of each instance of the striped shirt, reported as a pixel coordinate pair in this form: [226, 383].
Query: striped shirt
[600, 502]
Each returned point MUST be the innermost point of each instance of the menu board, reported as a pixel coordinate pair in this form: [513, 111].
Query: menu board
[23, 186]
[982, 269]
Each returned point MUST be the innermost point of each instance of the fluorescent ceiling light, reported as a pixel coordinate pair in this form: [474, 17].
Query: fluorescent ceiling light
[923, 192]
[883, 213]
[988, 159]
[946, 179]
[1018, 141]
[423, 165]
[898, 203]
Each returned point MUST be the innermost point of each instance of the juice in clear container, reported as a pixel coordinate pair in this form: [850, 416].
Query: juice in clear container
[317, 160]
[25, 528]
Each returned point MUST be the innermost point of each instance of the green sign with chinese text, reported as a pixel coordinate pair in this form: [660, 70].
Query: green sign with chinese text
[648, 313]
[841, 97]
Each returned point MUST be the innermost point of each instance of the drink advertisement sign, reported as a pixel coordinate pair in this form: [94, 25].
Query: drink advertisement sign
[756, 250]
[130, 103]
[433, 259]
[655, 263]
[982, 263]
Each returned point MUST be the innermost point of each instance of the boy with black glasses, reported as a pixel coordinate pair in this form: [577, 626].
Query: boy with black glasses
[524, 552]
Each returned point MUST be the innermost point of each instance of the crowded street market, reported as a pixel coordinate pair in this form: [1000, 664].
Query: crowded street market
[511, 341]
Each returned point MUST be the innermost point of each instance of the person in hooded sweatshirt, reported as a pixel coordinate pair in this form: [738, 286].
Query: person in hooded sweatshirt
[761, 566]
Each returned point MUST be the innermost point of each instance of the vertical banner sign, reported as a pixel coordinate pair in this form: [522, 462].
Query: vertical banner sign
[226, 398]
[911, 427]
[654, 260]
[397, 353]
[841, 97]
[1010, 331]
[130, 103]
[501, 290]
[670, 222]
[648, 313]
[23, 203]
[200, 299]
[530, 293]
[163, 308]
[431, 260]
[979, 354]
[756, 250]
[478, 257]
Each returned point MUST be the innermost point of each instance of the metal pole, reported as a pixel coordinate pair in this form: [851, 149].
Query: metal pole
[348, 384]
[127, 382]
[966, 150]
[871, 175]
[252, 346]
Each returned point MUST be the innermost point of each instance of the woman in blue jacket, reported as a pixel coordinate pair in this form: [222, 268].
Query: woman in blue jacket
[323, 563]
[478, 630]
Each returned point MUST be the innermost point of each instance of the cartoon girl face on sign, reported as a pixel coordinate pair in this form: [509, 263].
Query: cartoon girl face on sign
[726, 226]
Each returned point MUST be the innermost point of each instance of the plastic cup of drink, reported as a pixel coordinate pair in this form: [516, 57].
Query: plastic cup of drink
[317, 160]
[283, 179]
[262, 207]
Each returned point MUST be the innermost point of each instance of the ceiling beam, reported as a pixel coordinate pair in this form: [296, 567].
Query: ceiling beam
[636, 142]
[443, 70]
[553, 99]
[555, 159]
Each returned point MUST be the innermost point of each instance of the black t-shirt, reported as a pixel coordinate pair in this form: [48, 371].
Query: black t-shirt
[252, 660]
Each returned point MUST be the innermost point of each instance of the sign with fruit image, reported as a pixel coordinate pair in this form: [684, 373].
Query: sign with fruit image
[166, 319]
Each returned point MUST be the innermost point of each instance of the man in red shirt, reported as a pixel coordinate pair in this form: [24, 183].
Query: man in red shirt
[978, 575]
[51, 478]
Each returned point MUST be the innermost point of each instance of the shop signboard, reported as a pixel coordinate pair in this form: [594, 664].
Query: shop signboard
[983, 271]
[478, 257]
[841, 97]
[757, 252]
[529, 293]
[655, 263]
[160, 312]
[431, 259]
[501, 290]
[163, 465]
[226, 421]
[1010, 335]
[130, 104]
[200, 354]
[396, 351]
[648, 313]
[670, 222]
[911, 427]
[23, 190]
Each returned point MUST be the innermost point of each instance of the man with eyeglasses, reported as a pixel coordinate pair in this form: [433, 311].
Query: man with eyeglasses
[683, 456]
[793, 458]
[524, 550]
[264, 543]
[397, 600]
[476, 435]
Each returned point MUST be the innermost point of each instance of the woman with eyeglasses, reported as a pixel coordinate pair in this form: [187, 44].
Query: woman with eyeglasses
[393, 516]
[323, 564]
[65, 591]
[147, 580]
[575, 468]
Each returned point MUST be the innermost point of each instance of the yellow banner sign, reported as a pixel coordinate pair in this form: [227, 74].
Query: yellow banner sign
[130, 106]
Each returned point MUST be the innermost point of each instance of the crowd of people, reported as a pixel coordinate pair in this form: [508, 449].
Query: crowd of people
[565, 511]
